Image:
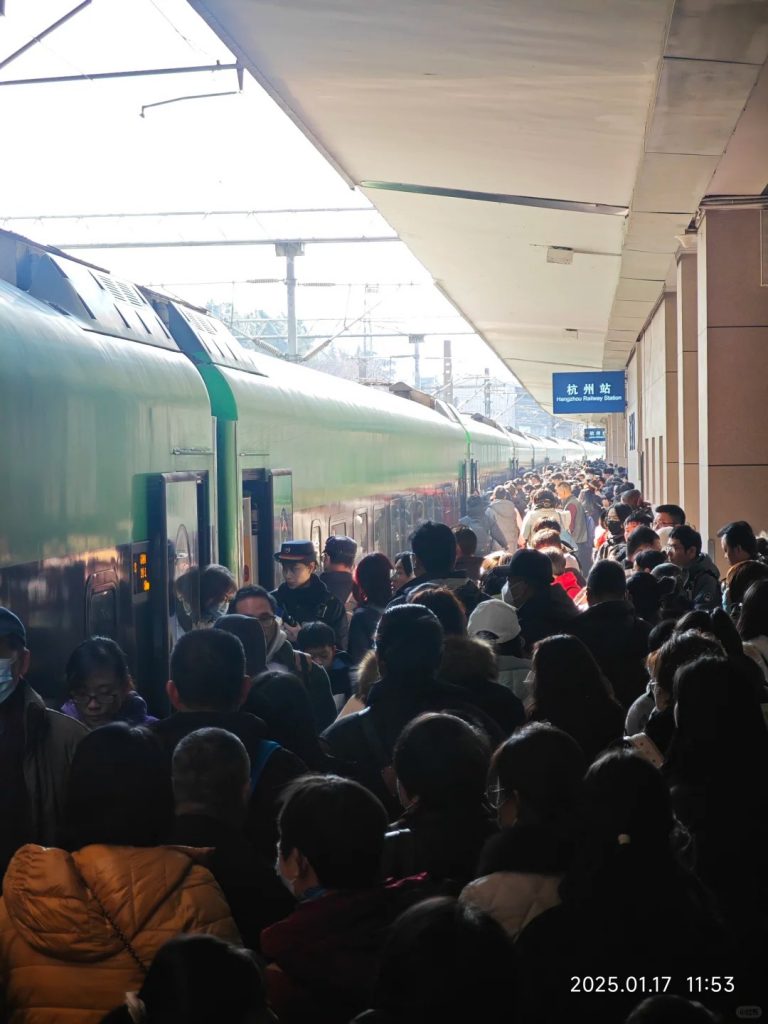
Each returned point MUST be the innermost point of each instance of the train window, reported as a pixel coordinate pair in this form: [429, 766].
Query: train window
[401, 526]
[419, 511]
[338, 528]
[282, 507]
[102, 613]
[381, 530]
[360, 530]
[316, 536]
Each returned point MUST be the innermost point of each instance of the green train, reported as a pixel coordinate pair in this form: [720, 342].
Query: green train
[142, 441]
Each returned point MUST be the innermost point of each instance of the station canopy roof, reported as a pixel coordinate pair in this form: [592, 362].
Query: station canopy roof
[478, 128]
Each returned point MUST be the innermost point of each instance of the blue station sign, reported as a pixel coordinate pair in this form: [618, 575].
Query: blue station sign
[588, 392]
[596, 434]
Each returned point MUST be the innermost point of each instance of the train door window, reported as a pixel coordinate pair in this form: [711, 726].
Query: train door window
[338, 528]
[474, 482]
[101, 605]
[381, 529]
[316, 536]
[179, 525]
[258, 528]
[282, 506]
[360, 530]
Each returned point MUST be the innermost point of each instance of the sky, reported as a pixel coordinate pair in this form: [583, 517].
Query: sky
[79, 148]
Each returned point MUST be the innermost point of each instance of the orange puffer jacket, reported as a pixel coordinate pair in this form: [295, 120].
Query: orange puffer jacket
[61, 960]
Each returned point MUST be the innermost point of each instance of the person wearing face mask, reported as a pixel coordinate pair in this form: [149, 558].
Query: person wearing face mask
[615, 543]
[36, 750]
[257, 603]
[217, 588]
[536, 779]
[542, 609]
[324, 957]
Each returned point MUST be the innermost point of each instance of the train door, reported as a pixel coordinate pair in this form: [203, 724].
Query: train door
[267, 522]
[360, 530]
[166, 572]
[463, 489]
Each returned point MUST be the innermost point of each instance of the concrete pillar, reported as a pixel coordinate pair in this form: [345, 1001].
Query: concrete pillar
[733, 346]
[668, 444]
[688, 384]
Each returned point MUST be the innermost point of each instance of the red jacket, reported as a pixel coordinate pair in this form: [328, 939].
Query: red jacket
[325, 955]
[570, 583]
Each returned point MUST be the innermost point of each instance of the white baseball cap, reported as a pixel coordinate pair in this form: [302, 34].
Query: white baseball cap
[497, 619]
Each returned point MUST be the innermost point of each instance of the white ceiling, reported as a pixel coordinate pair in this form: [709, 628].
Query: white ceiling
[629, 103]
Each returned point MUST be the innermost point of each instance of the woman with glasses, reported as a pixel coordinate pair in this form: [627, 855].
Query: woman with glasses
[535, 784]
[99, 686]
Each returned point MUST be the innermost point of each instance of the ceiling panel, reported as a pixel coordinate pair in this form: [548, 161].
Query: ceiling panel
[568, 99]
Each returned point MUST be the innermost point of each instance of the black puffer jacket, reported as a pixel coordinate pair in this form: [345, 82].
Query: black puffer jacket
[618, 639]
[313, 603]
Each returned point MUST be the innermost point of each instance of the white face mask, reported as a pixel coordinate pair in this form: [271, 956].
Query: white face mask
[286, 882]
[7, 681]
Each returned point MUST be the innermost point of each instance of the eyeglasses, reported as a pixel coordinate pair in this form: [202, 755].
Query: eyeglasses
[495, 796]
[265, 619]
[104, 695]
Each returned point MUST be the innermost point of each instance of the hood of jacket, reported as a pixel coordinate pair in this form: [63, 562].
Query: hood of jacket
[504, 511]
[281, 638]
[513, 899]
[57, 900]
[452, 581]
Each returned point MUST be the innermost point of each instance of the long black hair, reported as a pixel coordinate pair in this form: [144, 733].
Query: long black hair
[281, 700]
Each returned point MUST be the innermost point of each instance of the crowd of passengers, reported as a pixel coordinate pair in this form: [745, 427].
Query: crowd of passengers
[530, 752]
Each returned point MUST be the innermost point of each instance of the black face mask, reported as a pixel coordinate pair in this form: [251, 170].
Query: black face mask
[616, 529]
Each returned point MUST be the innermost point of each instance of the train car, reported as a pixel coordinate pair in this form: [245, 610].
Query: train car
[570, 451]
[109, 470]
[540, 448]
[492, 456]
[524, 450]
[303, 454]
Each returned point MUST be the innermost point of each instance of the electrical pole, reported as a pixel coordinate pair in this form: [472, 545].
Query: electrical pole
[487, 392]
[416, 340]
[447, 371]
[290, 250]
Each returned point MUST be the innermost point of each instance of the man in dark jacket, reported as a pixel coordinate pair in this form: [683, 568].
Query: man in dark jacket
[211, 776]
[207, 687]
[434, 557]
[257, 603]
[36, 750]
[542, 609]
[324, 957]
[612, 631]
[338, 560]
[302, 597]
[701, 583]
